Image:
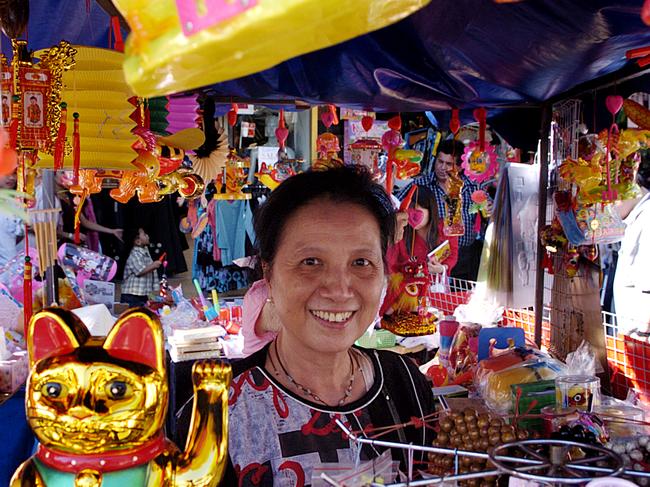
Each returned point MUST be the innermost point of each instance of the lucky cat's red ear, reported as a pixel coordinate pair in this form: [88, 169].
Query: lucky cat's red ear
[137, 337]
[54, 331]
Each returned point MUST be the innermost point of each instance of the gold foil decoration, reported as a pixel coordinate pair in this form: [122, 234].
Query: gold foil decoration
[98, 406]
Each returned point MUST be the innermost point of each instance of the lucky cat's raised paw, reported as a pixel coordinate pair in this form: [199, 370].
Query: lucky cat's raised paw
[211, 372]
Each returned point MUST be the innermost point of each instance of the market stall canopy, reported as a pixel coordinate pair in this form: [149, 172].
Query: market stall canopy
[463, 53]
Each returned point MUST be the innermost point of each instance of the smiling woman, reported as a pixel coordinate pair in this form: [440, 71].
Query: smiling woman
[322, 240]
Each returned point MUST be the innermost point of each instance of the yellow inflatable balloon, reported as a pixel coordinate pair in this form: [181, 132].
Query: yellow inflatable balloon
[177, 45]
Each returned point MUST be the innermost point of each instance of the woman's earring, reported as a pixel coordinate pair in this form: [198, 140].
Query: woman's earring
[269, 300]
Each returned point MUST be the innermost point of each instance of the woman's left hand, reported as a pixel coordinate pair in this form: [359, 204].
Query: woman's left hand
[118, 232]
[435, 267]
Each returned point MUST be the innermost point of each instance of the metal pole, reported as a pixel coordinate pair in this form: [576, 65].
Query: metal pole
[541, 219]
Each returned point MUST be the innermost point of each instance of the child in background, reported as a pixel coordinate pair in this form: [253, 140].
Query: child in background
[139, 278]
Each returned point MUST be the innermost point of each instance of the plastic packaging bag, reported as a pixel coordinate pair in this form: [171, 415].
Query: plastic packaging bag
[583, 361]
[174, 47]
[463, 354]
[181, 317]
[495, 385]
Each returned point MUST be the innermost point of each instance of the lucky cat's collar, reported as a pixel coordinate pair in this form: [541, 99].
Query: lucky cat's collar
[102, 462]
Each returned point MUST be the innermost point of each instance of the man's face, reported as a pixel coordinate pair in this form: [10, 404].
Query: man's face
[32, 101]
[445, 164]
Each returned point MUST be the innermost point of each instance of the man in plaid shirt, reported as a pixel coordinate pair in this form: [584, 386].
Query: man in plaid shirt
[469, 246]
[139, 272]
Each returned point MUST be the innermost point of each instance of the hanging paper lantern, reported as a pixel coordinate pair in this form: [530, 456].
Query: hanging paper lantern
[171, 48]
[159, 115]
[183, 113]
[96, 90]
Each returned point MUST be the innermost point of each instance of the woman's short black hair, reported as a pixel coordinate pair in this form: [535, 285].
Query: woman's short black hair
[347, 184]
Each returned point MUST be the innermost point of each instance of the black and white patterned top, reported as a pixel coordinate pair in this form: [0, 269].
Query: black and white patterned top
[277, 438]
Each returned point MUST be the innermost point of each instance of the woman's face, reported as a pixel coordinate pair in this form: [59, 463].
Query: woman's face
[327, 275]
[424, 217]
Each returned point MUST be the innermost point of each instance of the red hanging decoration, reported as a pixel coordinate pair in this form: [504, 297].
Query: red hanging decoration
[282, 132]
[645, 12]
[232, 115]
[395, 123]
[76, 150]
[59, 147]
[27, 284]
[335, 117]
[480, 115]
[454, 123]
[367, 122]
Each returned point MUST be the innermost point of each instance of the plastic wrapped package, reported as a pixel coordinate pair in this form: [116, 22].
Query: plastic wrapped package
[463, 354]
[495, 386]
[178, 45]
[183, 316]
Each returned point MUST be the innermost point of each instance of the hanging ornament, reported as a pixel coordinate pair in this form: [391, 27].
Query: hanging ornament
[454, 123]
[59, 146]
[395, 123]
[401, 163]
[480, 159]
[367, 122]
[76, 149]
[614, 105]
[95, 89]
[328, 149]
[645, 12]
[282, 132]
[232, 115]
[327, 118]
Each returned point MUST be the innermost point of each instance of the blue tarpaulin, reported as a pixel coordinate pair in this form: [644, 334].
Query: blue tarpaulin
[461, 53]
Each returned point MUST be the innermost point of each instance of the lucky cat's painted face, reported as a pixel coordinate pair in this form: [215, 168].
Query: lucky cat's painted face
[94, 407]
[90, 395]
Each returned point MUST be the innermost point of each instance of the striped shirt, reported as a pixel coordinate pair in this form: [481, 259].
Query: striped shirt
[469, 219]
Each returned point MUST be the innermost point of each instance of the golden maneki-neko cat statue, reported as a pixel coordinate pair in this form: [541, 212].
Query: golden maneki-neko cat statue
[97, 407]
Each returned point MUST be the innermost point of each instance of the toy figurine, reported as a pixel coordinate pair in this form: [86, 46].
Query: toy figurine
[97, 407]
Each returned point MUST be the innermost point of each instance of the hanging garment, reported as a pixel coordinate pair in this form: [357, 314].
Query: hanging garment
[234, 222]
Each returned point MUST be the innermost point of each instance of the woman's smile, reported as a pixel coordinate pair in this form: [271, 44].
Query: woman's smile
[335, 319]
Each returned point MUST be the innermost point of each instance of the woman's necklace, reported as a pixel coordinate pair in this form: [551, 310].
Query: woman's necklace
[306, 390]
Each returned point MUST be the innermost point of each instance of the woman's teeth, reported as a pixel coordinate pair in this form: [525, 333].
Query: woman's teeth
[333, 317]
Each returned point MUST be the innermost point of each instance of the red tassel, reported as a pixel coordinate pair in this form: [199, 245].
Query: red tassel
[454, 123]
[76, 149]
[27, 284]
[13, 133]
[59, 147]
[119, 42]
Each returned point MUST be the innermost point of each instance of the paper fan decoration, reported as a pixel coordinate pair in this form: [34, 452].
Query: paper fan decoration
[210, 159]
[95, 89]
